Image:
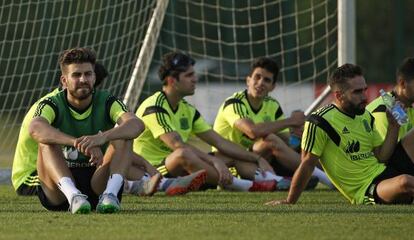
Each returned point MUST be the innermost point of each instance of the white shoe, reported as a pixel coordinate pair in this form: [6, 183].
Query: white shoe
[79, 204]
[108, 203]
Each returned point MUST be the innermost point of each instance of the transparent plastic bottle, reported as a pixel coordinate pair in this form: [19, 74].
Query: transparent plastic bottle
[395, 107]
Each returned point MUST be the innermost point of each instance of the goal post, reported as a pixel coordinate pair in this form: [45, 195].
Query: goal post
[131, 36]
[346, 44]
[140, 71]
[224, 37]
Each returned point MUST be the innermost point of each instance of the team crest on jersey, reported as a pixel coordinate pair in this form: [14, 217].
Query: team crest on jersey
[366, 125]
[184, 123]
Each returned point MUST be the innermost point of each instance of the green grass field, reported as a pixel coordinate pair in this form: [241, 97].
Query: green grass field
[320, 214]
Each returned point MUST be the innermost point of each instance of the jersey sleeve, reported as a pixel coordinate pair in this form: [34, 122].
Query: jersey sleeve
[381, 123]
[116, 109]
[47, 110]
[233, 110]
[314, 138]
[157, 120]
[279, 115]
[377, 137]
[199, 123]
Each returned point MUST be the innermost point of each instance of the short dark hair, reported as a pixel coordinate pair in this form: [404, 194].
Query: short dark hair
[406, 69]
[339, 77]
[101, 73]
[76, 55]
[173, 64]
[265, 63]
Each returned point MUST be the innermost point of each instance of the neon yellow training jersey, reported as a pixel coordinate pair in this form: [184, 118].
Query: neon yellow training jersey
[25, 156]
[159, 118]
[378, 110]
[237, 107]
[345, 146]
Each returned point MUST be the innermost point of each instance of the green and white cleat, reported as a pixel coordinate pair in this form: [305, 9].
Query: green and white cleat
[108, 203]
[79, 204]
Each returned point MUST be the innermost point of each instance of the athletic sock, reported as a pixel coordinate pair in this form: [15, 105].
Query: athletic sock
[68, 188]
[165, 183]
[114, 184]
[128, 183]
[239, 185]
[321, 175]
[269, 176]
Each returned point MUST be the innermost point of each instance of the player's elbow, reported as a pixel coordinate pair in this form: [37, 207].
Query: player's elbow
[138, 128]
[132, 128]
[255, 133]
[34, 130]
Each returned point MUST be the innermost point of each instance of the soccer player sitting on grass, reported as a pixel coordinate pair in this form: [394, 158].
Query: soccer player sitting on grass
[169, 122]
[365, 168]
[80, 151]
[24, 174]
[255, 121]
[403, 92]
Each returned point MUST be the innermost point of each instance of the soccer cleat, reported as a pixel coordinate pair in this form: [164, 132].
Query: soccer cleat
[183, 185]
[79, 204]
[263, 186]
[146, 187]
[108, 203]
[283, 184]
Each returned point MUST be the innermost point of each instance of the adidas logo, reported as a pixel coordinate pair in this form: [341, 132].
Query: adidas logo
[345, 130]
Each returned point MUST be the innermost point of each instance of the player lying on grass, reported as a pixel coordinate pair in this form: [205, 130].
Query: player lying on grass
[365, 168]
[255, 121]
[81, 154]
[169, 122]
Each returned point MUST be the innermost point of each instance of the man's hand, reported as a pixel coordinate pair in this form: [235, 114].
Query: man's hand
[391, 120]
[85, 143]
[277, 202]
[297, 118]
[96, 156]
[264, 166]
[225, 177]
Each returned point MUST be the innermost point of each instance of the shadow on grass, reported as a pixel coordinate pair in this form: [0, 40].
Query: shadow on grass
[276, 210]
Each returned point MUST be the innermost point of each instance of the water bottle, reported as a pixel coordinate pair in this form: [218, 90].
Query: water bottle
[294, 141]
[396, 108]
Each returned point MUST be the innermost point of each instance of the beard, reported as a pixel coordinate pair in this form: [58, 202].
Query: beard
[81, 93]
[355, 109]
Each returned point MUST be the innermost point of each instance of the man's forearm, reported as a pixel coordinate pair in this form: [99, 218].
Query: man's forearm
[236, 151]
[388, 145]
[130, 129]
[44, 133]
[299, 181]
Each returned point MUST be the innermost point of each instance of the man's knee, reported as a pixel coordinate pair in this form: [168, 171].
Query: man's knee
[48, 147]
[406, 183]
[184, 153]
[119, 144]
